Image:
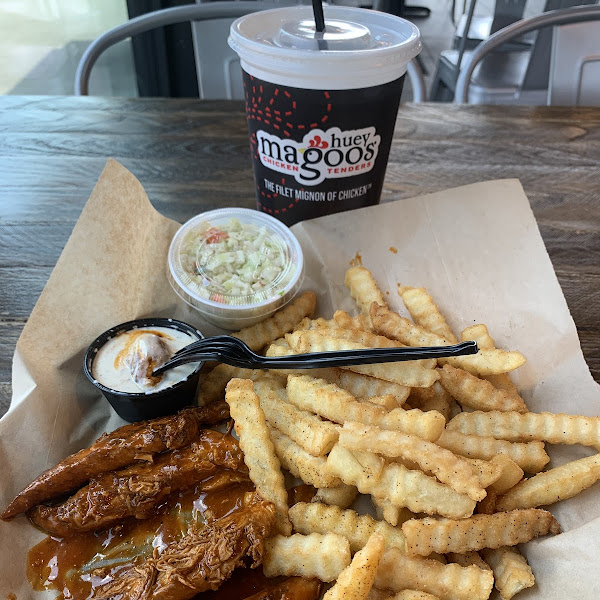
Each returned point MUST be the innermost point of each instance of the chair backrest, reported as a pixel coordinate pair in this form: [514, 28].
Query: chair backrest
[565, 16]
[217, 65]
[537, 75]
[576, 46]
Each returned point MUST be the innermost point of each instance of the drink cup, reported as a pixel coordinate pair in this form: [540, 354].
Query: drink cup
[321, 107]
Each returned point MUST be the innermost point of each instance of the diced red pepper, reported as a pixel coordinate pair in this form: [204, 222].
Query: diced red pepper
[214, 235]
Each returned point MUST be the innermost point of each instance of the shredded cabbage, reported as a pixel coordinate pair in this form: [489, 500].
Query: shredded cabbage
[237, 259]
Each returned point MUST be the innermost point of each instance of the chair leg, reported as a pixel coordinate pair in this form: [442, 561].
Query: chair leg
[435, 92]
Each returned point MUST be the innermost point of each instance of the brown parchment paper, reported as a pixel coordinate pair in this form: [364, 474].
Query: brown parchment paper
[476, 248]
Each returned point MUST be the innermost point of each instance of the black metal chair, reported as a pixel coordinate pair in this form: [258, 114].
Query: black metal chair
[577, 14]
[523, 63]
[218, 67]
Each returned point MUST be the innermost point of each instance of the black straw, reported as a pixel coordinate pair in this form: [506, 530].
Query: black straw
[319, 17]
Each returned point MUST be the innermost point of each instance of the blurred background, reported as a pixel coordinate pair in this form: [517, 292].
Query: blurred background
[42, 41]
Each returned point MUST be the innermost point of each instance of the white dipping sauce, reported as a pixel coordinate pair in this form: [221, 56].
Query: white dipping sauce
[124, 363]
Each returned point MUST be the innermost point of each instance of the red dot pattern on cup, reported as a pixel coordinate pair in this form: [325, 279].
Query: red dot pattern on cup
[281, 209]
[278, 111]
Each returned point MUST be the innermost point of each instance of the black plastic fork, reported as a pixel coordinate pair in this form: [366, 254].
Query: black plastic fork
[232, 351]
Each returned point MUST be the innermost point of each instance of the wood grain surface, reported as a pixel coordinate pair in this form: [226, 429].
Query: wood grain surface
[193, 155]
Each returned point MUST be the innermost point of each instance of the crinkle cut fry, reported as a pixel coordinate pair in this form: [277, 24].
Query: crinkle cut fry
[449, 582]
[399, 485]
[112, 451]
[467, 559]
[530, 456]
[363, 288]
[342, 319]
[512, 573]
[424, 536]
[433, 398]
[412, 595]
[363, 387]
[333, 403]
[425, 312]
[392, 325]
[314, 555]
[313, 470]
[319, 518]
[479, 333]
[356, 580]
[554, 428]
[548, 487]
[476, 393]
[259, 453]
[414, 373]
[449, 468]
[342, 496]
[485, 362]
[200, 561]
[283, 321]
[317, 437]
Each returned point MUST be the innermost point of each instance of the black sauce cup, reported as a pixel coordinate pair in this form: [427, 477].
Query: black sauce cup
[141, 406]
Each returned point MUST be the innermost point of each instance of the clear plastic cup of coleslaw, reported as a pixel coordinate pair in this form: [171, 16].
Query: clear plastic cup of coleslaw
[236, 266]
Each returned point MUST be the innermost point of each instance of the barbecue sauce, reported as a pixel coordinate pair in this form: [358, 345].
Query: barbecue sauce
[76, 565]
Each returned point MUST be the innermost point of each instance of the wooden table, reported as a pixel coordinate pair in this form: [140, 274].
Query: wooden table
[193, 156]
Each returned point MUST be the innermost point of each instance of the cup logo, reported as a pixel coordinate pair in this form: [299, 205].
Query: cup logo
[321, 154]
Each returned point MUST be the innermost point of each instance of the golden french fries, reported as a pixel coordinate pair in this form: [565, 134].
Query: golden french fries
[314, 555]
[311, 469]
[319, 518]
[447, 467]
[333, 403]
[512, 574]
[549, 487]
[487, 506]
[434, 398]
[412, 595]
[395, 432]
[283, 321]
[424, 536]
[259, 453]
[548, 427]
[402, 487]
[356, 580]
[364, 387]
[363, 288]
[317, 437]
[388, 401]
[476, 393]
[467, 559]
[345, 321]
[479, 333]
[510, 474]
[342, 496]
[487, 362]
[424, 311]
[388, 512]
[530, 456]
[392, 325]
[413, 373]
[398, 572]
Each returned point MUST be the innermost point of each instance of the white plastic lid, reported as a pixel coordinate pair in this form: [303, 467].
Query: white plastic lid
[231, 310]
[359, 48]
